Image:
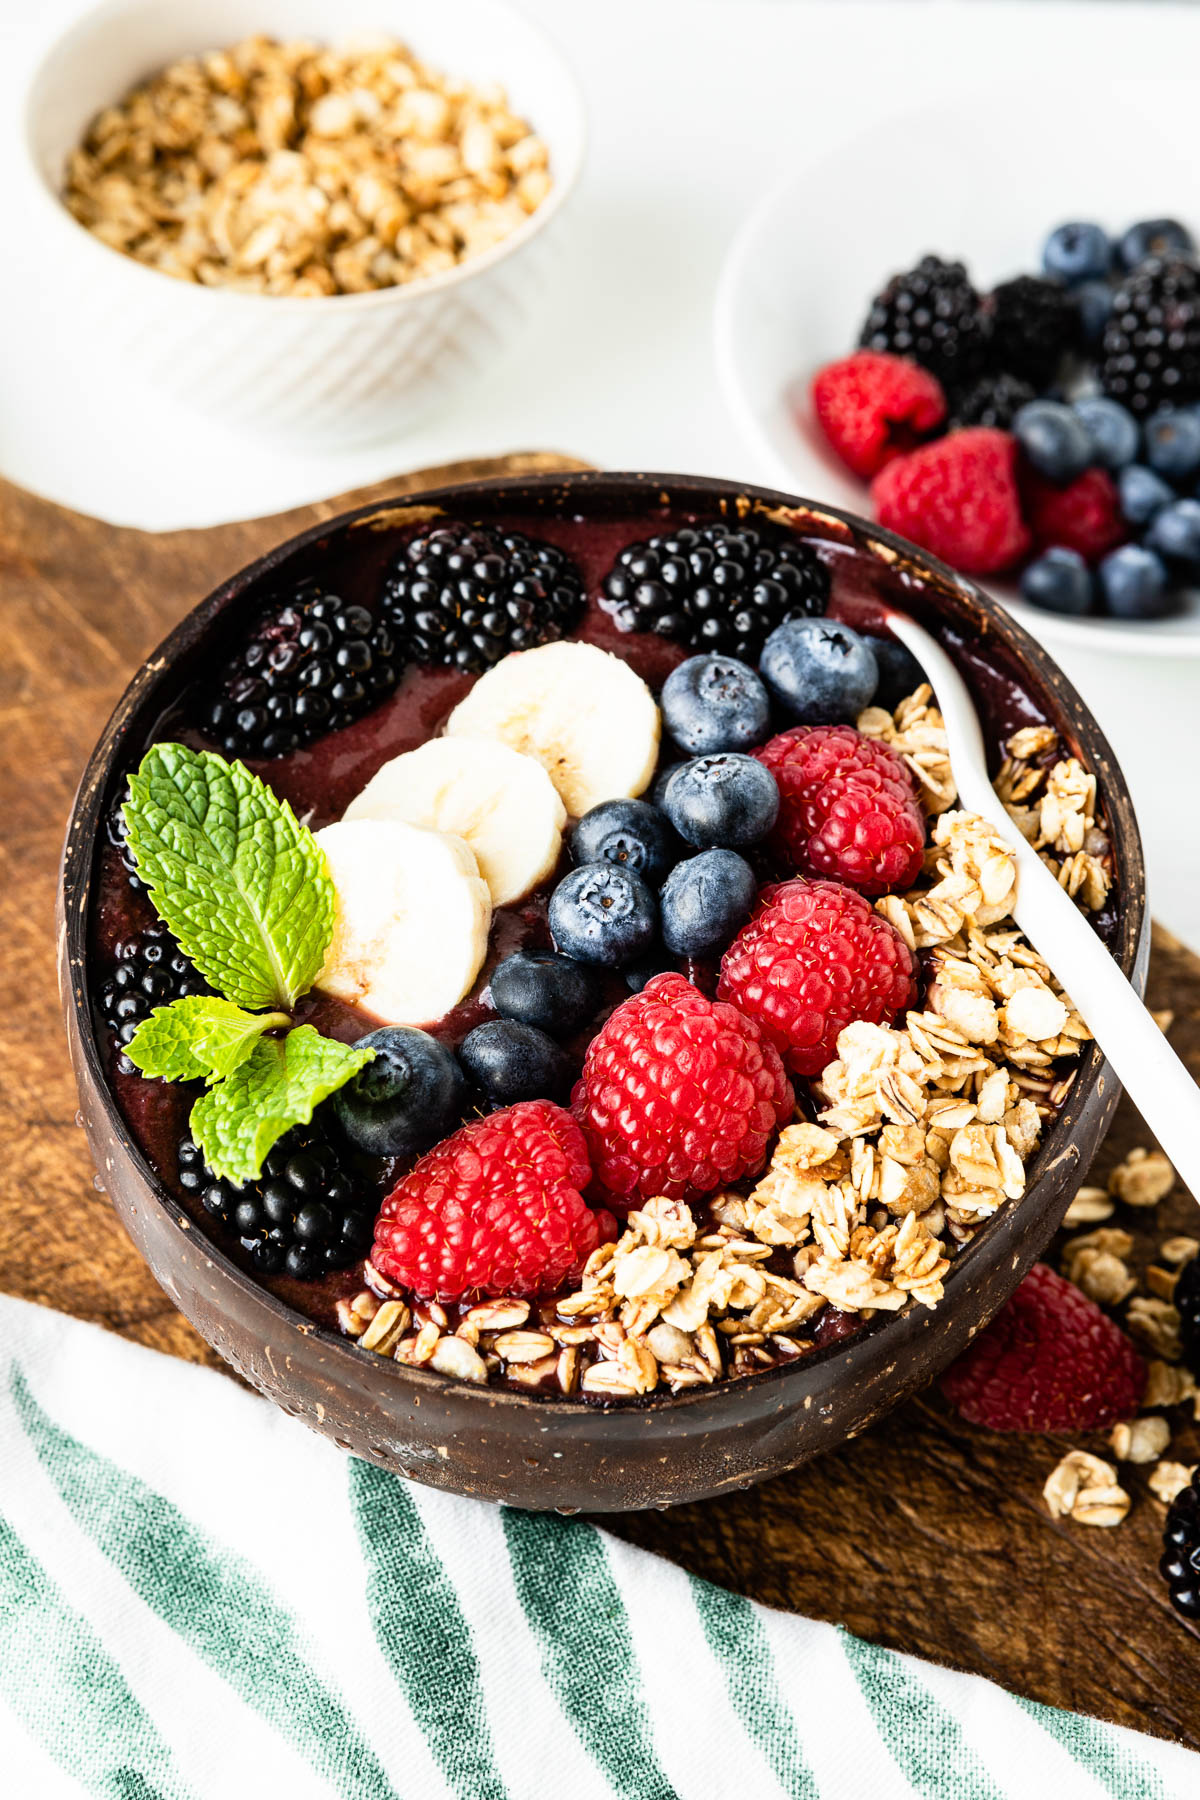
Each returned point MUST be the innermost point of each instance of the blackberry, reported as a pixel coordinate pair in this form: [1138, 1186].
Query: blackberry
[466, 595]
[1187, 1300]
[1150, 352]
[309, 667]
[151, 971]
[118, 837]
[931, 314]
[1032, 324]
[992, 400]
[716, 587]
[304, 1217]
[1180, 1565]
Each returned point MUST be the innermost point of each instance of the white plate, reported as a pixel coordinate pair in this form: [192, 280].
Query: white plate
[801, 272]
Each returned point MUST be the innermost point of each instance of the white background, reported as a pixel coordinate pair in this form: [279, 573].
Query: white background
[696, 106]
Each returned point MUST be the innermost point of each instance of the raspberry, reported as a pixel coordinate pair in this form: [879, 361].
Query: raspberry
[1049, 1361]
[958, 499]
[1086, 516]
[872, 407]
[497, 1208]
[680, 1095]
[846, 808]
[814, 959]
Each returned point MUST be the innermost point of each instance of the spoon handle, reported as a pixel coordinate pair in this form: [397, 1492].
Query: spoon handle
[1155, 1079]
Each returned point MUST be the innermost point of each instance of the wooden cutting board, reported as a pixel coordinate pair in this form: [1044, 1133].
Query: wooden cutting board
[925, 1534]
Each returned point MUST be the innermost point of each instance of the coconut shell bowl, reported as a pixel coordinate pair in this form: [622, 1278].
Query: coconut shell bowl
[532, 1449]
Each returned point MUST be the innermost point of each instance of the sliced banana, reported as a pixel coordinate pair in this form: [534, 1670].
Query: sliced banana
[503, 804]
[585, 716]
[411, 921]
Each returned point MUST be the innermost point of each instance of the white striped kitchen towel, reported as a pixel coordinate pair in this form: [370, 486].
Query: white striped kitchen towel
[199, 1600]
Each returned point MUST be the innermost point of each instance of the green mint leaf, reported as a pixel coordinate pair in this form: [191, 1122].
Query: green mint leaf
[162, 1046]
[279, 1085]
[199, 1035]
[243, 886]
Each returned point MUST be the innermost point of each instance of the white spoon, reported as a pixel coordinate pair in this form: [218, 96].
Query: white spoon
[1157, 1082]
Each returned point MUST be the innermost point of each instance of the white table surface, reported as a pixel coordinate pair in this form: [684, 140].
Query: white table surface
[695, 106]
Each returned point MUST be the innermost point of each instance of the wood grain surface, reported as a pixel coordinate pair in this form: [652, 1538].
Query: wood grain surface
[925, 1534]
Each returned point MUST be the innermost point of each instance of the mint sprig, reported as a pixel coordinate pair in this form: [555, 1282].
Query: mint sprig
[242, 885]
[278, 1085]
[246, 890]
[198, 1037]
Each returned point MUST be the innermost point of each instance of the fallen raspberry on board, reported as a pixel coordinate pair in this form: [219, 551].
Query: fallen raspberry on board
[958, 499]
[847, 808]
[1085, 516]
[496, 1208]
[1049, 1361]
[680, 1095]
[815, 958]
[872, 407]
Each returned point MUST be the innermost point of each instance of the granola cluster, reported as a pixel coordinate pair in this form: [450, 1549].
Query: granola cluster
[1084, 1487]
[292, 168]
[922, 1132]
[670, 1304]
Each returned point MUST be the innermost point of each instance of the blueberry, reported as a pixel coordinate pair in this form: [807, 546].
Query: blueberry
[603, 913]
[1142, 493]
[511, 1062]
[1134, 583]
[704, 901]
[630, 832]
[1077, 252]
[1112, 429]
[1054, 440]
[1173, 443]
[405, 1098]
[722, 801]
[1058, 581]
[658, 786]
[715, 703]
[900, 674]
[1175, 532]
[819, 673]
[540, 987]
[1095, 302]
[1153, 237]
[659, 962]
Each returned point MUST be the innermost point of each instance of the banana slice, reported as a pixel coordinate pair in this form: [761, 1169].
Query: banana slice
[503, 804]
[583, 714]
[410, 928]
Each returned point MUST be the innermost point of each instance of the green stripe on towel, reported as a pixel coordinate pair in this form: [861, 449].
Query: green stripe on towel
[218, 1603]
[422, 1632]
[576, 1613]
[1096, 1749]
[736, 1638]
[924, 1740]
[70, 1694]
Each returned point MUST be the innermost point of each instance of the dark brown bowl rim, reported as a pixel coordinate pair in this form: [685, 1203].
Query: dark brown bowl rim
[85, 822]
